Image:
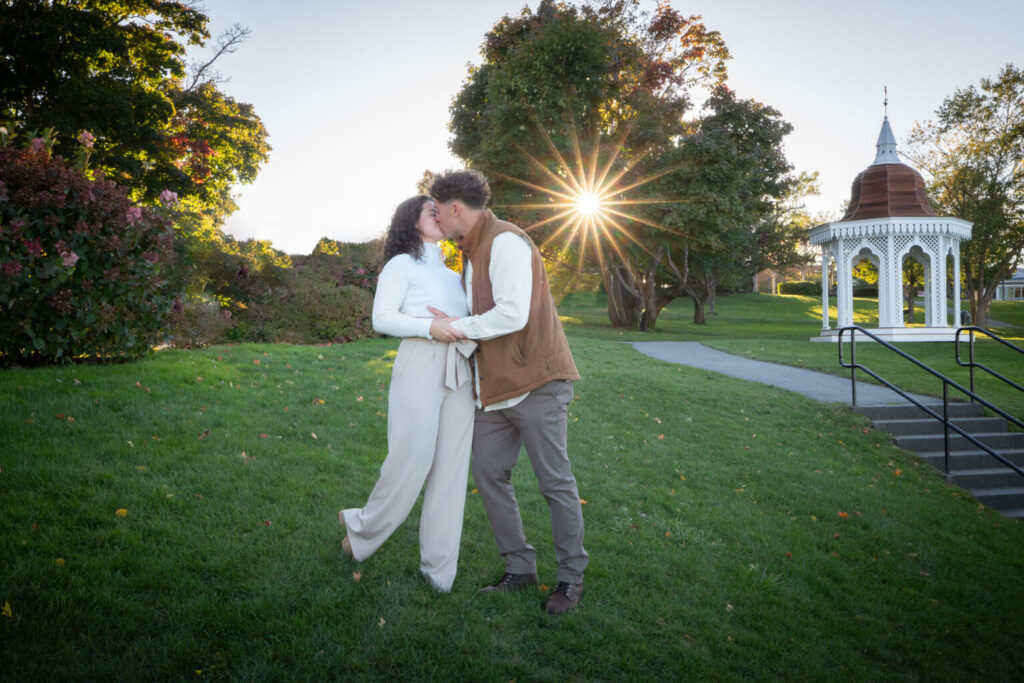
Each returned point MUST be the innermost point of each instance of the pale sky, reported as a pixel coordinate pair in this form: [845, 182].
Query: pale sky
[355, 94]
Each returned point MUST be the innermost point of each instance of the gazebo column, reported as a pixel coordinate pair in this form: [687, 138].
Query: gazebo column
[890, 309]
[824, 287]
[937, 283]
[844, 286]
[956, 284]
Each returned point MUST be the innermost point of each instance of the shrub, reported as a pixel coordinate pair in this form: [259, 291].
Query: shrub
[866, 292]
[800, 287]
[308, 312]
[83, 272]
[198, 322]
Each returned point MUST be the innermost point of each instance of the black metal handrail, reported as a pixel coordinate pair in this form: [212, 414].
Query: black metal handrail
[946, 384]
[971, 364]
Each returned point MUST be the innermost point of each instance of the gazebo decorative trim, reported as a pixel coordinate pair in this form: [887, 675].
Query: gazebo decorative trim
[888, 221]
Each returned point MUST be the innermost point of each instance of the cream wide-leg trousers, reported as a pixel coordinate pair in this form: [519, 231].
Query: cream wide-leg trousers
[430, 430]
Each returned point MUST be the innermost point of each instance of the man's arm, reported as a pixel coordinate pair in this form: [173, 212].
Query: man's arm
[511, 273]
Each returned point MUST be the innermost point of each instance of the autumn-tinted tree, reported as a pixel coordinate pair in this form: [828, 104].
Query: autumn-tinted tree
[567, 90]
[117, 69]
[972, 154]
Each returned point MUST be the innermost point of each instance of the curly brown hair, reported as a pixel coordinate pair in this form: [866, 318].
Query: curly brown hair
[403, 237]
[467, 184]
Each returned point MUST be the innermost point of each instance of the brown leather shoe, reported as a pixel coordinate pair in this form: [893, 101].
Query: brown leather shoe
[563, 598]
[510, 582]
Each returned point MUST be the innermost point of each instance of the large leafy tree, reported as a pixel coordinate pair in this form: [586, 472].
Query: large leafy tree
[566, 95]
[737, 219]
[118, 69]
[974, 155]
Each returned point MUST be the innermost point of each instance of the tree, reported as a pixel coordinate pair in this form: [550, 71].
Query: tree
[571, 97]
[736, 220]
[973, 155]
[116, 69]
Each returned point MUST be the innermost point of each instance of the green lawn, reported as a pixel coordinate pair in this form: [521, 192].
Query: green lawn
[735, 531]
[778, 329]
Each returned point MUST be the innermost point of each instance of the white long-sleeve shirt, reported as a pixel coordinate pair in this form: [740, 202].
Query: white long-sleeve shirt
[406, 287]
[511, 273]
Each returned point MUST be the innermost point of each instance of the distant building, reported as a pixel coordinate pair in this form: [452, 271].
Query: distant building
[1012, 289]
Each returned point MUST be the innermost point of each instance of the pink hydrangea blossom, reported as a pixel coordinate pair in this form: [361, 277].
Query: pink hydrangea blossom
[134, 214]
[87, 139]
[39, 146]
[168, 198]
[34, 247]
[11, 268]
[70, 258]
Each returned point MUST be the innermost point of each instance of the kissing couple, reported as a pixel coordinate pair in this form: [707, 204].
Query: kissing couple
[483, 367]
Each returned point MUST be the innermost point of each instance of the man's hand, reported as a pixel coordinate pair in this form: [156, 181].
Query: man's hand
[442, 330]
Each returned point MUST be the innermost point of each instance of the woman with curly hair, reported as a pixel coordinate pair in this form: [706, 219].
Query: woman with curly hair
[430, 401]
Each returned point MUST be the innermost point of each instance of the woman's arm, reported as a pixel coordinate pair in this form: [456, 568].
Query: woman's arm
[392, 286]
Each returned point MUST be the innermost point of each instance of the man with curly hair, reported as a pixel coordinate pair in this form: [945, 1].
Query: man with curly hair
[524, 375]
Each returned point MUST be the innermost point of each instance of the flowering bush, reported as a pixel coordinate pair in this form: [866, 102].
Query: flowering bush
[83, 272]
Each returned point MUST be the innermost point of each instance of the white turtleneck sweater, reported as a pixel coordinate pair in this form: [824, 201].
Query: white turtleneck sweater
[406, 287]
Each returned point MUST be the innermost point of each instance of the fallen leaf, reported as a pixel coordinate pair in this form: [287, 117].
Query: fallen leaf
[59, 561]
[121, 512]
[844, 515]
[542, 587]
[77, 382]
[319, 401]
[381, 622]
[7, 610]
[582, 501]
[266, 522]
[359, 398]
[256, 361]
[205, 433]
[263, 436]
[661, 437]
[313, 434]
[728, 607]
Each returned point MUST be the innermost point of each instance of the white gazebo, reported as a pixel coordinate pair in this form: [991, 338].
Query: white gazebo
[889, 220]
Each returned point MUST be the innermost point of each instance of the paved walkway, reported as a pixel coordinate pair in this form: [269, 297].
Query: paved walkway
[811, 383]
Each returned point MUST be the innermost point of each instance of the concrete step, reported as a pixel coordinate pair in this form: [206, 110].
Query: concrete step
[908, 411]
[1016, 513]
[925, 443]
[960, 461]
[971, 425]
[1009, 498]
[1000, 477]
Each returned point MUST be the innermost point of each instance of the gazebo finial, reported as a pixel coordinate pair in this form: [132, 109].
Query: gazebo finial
[886, 144]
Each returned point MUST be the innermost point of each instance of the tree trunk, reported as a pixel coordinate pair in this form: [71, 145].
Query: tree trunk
[623, 303]
[698, 309]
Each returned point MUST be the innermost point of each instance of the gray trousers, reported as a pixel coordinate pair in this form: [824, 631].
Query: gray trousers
[538, 422]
